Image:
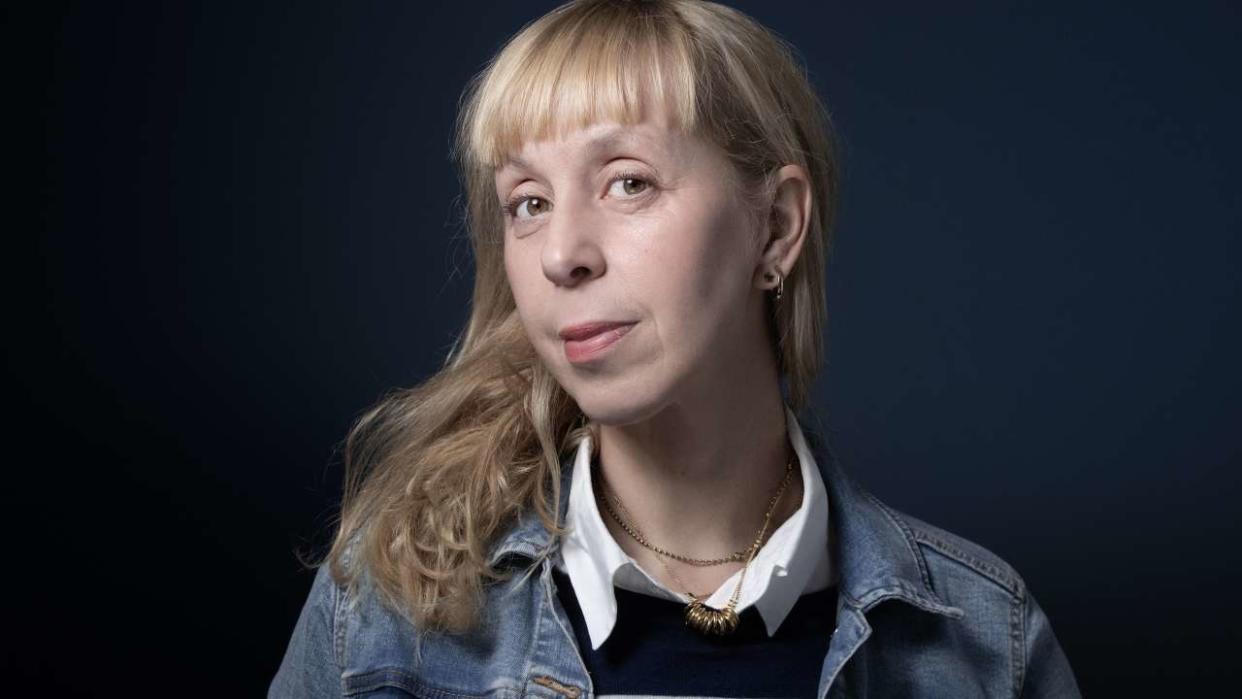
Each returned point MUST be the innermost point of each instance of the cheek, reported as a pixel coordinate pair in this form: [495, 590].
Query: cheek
[704, 271]
[523, 285]
[522, 270]
[693, 277]
[511, 267]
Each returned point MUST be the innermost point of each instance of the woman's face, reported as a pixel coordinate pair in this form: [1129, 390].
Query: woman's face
[633, 263]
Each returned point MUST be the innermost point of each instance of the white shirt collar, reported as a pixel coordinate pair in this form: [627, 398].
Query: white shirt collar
[793, 562]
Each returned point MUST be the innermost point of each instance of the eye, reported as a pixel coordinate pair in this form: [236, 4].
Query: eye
[533, 206]
[630, 185]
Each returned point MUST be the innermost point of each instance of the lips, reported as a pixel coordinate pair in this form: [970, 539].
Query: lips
[588, 330]
[590, 341]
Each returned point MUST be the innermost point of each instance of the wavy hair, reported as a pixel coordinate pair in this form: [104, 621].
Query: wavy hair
[435, 473]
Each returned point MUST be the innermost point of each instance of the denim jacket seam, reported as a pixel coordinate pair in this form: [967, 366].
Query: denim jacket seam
[1017, 620]
[897, 588]
[850, 601]
[520, 544]
[1010, 583]
[907, 536]
[338, 631]
[544, 607]
[340, 608]
[520, 548]
[415, 683]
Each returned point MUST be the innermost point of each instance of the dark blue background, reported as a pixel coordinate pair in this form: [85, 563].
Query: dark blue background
[247, 228]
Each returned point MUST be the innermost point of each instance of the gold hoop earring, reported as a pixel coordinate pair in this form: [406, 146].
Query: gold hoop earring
[780, 286]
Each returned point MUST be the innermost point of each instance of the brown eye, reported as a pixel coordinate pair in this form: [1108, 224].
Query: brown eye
[629, 186]
[533, 206]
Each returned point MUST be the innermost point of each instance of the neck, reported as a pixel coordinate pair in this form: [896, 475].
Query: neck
[697, 477]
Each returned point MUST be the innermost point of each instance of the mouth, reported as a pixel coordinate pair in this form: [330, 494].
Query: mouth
[591, 341]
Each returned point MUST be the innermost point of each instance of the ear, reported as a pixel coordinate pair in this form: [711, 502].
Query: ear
[788, 220]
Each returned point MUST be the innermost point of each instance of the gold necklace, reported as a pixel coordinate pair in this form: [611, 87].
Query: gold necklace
[739, 555]
[700, 616]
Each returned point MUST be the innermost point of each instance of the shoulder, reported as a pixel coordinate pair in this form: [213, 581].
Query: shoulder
[311, 664]
[998, 607]
[951, 555]
[986, 599]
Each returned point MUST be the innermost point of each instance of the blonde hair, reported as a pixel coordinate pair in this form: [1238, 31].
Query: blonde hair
[435, 473]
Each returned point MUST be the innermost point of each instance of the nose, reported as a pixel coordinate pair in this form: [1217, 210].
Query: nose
[571, 253]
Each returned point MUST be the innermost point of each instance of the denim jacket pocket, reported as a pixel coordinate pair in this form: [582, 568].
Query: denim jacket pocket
[396, 682]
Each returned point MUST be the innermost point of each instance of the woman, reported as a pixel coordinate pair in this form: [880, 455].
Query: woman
[607, 490]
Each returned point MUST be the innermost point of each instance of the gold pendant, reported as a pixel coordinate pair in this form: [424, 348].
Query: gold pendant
[709, 620]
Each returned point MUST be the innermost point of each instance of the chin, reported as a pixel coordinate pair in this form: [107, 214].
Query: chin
[616, 400]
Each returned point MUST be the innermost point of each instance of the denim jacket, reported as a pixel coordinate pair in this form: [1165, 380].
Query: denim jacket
[920, 613]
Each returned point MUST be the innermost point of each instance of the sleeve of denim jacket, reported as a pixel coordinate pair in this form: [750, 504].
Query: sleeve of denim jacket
[1048, 673]
[309, 668]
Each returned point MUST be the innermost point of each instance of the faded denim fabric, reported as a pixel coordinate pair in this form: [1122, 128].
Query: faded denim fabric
[921, 613]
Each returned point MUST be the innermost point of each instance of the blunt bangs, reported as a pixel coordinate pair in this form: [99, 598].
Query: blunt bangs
[565, 73]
